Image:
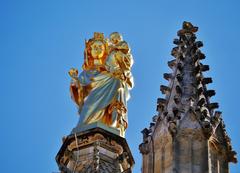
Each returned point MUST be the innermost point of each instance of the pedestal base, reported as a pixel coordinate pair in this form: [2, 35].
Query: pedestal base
[94, 150]
[85, 127]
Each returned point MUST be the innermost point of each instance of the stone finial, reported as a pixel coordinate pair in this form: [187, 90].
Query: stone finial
[177, 41]
[232, 156]
[167, 76]
[175, 52]
[161, 104]
[172, 63]
[164, 89]
[204, 67]
[198, 44]
[200, 55]
[206, 80]
[145, 133]
[187, 28]
[209, 93]
[155, 118]
[144, 148]
[213, 106]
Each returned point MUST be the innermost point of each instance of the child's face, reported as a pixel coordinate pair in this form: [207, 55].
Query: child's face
[115, 38]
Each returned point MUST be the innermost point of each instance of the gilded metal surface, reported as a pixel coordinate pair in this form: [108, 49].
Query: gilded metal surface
[101, 90]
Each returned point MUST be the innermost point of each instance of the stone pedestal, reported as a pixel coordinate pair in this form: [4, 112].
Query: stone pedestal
[94, 150]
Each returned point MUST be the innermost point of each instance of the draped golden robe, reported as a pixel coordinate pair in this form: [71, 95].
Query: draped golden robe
[104, 93]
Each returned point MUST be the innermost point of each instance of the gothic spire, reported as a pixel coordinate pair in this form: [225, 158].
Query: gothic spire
[187, 105]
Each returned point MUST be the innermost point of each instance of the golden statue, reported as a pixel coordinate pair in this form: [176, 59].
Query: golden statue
[101, 90]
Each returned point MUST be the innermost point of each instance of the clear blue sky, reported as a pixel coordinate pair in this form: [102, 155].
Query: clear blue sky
[42, 39]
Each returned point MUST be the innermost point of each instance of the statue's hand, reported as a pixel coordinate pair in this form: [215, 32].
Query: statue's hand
[73, 73]
[76, 89]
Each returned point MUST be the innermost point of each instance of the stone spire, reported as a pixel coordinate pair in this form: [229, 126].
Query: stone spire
[188, 133]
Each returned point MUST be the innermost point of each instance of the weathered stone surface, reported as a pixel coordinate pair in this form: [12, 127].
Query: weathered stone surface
[94, 151]
[189, 136]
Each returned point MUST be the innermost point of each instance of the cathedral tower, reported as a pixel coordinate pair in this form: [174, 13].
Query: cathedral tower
[188, 135]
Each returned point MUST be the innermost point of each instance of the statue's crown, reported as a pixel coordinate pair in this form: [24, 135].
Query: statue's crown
[98, 36]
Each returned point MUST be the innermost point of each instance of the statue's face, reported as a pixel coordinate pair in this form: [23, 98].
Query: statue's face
[124, 46]
[97, 49]
[115, 38]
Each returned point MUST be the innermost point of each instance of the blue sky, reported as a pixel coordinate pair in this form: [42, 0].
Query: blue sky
[41, 40]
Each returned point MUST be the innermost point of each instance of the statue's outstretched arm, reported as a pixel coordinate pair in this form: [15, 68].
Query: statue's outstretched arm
[76, 89]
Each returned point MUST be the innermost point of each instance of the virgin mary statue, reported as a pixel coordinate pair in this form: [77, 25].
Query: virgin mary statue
[101, 90]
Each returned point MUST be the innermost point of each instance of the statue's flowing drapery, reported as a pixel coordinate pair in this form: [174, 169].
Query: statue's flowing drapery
[102, 93]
